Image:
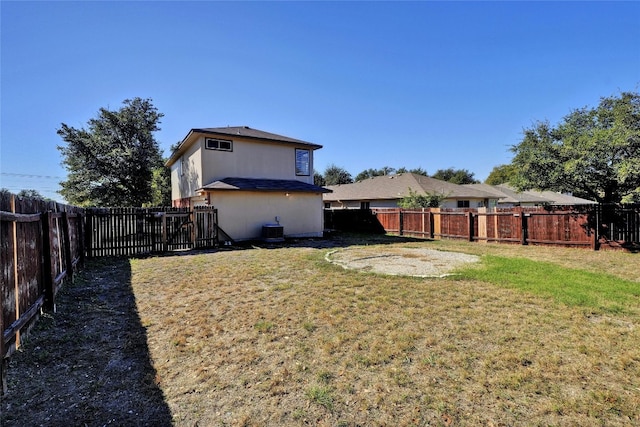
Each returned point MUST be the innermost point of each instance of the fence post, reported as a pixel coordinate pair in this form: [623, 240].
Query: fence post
[88, 232]
[400, 221]
[470, 225]
[431, 224]
[165, 243]
[16, 280]
[47, 265]
[66, 241]
[524, 228]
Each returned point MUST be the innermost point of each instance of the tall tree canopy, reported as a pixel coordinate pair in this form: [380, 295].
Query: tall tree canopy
[370, 173]
[318, 179]
[386, 170]
[334, 175]
[456, 176]
[501, 174]
[112, 162]
[593, 152]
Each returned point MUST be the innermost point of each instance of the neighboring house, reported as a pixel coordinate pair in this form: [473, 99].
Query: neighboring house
[252, 177]
[509, 197]
[387, 190]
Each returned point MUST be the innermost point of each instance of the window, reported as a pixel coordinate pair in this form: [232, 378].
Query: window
[463, 203]
[365, 205]
[303, 158]
[327, 205]
[218, 144]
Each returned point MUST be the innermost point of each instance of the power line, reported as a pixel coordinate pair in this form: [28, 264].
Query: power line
[26, 175]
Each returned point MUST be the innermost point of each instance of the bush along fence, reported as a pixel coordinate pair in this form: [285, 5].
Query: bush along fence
[43, 243]
[590, 226]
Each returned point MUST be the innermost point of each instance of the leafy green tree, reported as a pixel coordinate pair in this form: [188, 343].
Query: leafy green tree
[593, 152]
[318, 179]
[501, 174]
[415, 200]
[111, 162]
[334, 175]
[455, 176]
[30, 194]
[419, 171]
[160, 186]
[370, 173]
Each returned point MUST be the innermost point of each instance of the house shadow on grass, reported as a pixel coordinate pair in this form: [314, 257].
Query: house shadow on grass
[88, 363]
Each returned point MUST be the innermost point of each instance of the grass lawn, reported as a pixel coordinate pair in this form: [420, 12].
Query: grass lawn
[531, 336]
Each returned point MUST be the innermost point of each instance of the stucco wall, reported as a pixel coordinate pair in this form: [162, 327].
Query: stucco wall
[250, 159]
[186, 174]
[241, 214]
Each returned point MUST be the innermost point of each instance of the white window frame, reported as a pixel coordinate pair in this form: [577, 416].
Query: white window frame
[216, 144]
[303, 166]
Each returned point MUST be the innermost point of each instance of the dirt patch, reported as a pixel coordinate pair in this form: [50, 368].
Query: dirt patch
[415, 262]
[88, 364]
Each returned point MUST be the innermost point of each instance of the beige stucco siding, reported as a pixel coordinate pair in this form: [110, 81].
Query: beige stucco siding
[186, 174]
[251, 159]
[241, 214]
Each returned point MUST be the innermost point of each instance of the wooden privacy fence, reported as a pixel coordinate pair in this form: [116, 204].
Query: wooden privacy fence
[42, 243]
[587, 226]
[139, 231]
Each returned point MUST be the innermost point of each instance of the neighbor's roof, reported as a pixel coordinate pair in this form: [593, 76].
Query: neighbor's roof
[508, 194]
[389, 187]
[234, 132]
[255, 184]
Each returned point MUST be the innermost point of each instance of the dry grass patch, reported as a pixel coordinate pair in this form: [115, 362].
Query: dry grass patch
[280, 337]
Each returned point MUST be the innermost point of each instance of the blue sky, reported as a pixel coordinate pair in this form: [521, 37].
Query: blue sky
[414, 84]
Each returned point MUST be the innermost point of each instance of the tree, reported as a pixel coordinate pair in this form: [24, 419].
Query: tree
[455, 176]
[30, 194]
[160, 186]
[593, 152]
[111, 163]
[318, 179]
[370, 173]
[334, 175]
[501, 174]
[415, 200]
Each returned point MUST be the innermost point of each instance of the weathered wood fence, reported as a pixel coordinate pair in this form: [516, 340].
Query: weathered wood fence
[40, 246]
[43, 243]
[593, 226]
[139, 231]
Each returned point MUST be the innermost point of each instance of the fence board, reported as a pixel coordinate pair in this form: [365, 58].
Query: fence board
[580, 226]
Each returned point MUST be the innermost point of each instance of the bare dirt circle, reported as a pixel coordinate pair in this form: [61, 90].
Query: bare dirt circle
[415, 262]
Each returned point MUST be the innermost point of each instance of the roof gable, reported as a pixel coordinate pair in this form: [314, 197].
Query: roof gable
[235, 132]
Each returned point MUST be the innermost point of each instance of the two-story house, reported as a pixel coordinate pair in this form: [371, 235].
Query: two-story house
[252, 177]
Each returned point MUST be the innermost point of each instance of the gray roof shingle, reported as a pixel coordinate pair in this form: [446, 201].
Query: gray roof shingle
[507, 194]
[257, 184]
[397, 186]
[247, 132]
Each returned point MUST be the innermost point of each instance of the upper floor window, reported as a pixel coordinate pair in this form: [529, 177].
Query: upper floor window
[218, 144]
[463, 203]
[303, 162]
